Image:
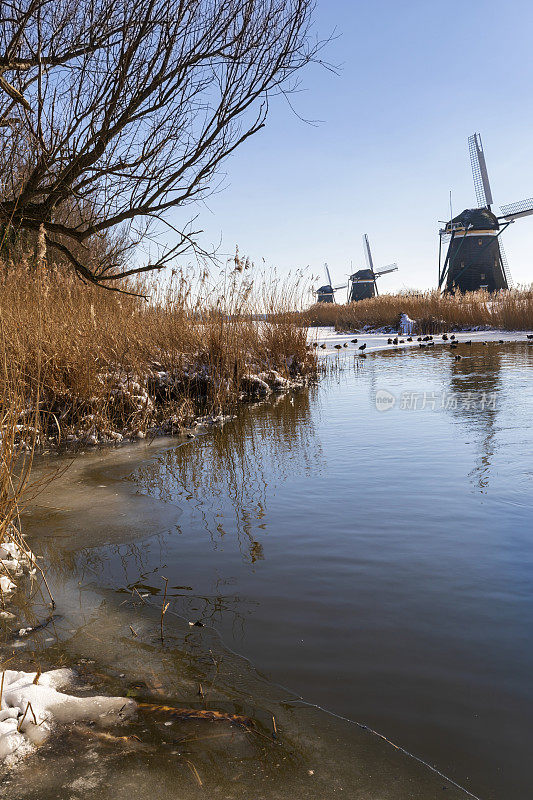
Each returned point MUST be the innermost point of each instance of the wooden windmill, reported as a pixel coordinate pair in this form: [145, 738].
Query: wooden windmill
[363, 283]
[326, 293]
[475, 258]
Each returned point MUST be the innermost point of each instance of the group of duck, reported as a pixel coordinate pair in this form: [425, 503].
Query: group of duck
[362, 347]
[423, 341]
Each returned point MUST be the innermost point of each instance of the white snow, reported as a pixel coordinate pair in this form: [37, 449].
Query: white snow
[6, 584]
[13, 563]
[31, 705]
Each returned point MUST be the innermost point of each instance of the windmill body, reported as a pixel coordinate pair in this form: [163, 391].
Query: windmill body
[362, 284]
[325, 294]
[475, 258]
[474, 254]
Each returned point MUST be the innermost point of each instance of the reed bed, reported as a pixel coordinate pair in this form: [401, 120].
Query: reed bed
[16, 457]
[432, 311]
[109, 362]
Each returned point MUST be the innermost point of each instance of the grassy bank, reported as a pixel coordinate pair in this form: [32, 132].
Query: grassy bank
[112, 365]
[433, 313]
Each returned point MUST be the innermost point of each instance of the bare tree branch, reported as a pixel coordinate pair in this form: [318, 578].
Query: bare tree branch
[128, 108]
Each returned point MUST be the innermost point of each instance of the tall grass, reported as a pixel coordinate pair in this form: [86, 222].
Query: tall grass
[18, 435]
[433, 312]
[100, 355]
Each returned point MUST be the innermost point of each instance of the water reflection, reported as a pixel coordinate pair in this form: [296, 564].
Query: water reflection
[369, 560]
[239, 466]
[479, 395]
[476, 385]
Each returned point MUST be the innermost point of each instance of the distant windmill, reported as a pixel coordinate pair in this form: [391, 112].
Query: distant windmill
[475, 258]
[363, 282]
[326, 293]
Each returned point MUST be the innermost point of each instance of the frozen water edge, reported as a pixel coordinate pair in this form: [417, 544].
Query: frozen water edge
[376, 342]
[31, 705]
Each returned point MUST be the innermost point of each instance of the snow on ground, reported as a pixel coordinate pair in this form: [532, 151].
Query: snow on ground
[31, 704]
[14, 561]
[378, 341]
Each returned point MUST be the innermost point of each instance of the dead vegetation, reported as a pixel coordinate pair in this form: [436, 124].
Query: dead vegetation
[16, 456]
[113, 364]
[432, 311]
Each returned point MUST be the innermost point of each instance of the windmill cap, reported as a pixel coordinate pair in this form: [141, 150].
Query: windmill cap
[362, 275]
[479, 218]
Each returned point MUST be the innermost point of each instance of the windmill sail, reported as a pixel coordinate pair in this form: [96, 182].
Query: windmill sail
[385, 270]
[516, 210]
[369, 262]
[328, 275]
[505, 264]
[368, 253]
[479, 171]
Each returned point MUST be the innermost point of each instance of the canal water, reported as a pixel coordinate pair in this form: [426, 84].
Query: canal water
[365, 546]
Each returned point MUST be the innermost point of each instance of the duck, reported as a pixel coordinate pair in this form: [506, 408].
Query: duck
[395, 341]
[452, 336]
[444, 337]
[500, 341]
[315, 344]
[422, 344]
[457, 358]
[345, 344]
[389, 341]
[419, 339]
[409, 338]
[337, 346]
[402, 341]
[362, 347]
[353, 341]
[529, 335]
[323, 346]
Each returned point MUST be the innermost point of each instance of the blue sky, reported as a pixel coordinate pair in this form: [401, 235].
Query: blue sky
[416, 79]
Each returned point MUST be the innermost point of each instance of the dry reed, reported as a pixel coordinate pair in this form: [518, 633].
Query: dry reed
[19, 423]
[432, 311]
[99, 356]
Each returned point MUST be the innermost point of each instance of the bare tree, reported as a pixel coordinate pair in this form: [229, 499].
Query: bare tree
[113, 112]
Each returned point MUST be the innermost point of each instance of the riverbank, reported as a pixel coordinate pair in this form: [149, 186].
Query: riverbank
[108, 630]
[377, 342]
[100, 367]
[432, 312]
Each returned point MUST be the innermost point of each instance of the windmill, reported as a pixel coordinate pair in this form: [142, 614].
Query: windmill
[326, 293]
[363, 282]
[475, 258]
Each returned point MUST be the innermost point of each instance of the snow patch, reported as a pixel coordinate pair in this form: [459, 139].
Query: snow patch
[31, 705]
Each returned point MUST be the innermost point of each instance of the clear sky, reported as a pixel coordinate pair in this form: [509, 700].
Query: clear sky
[416, 79]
